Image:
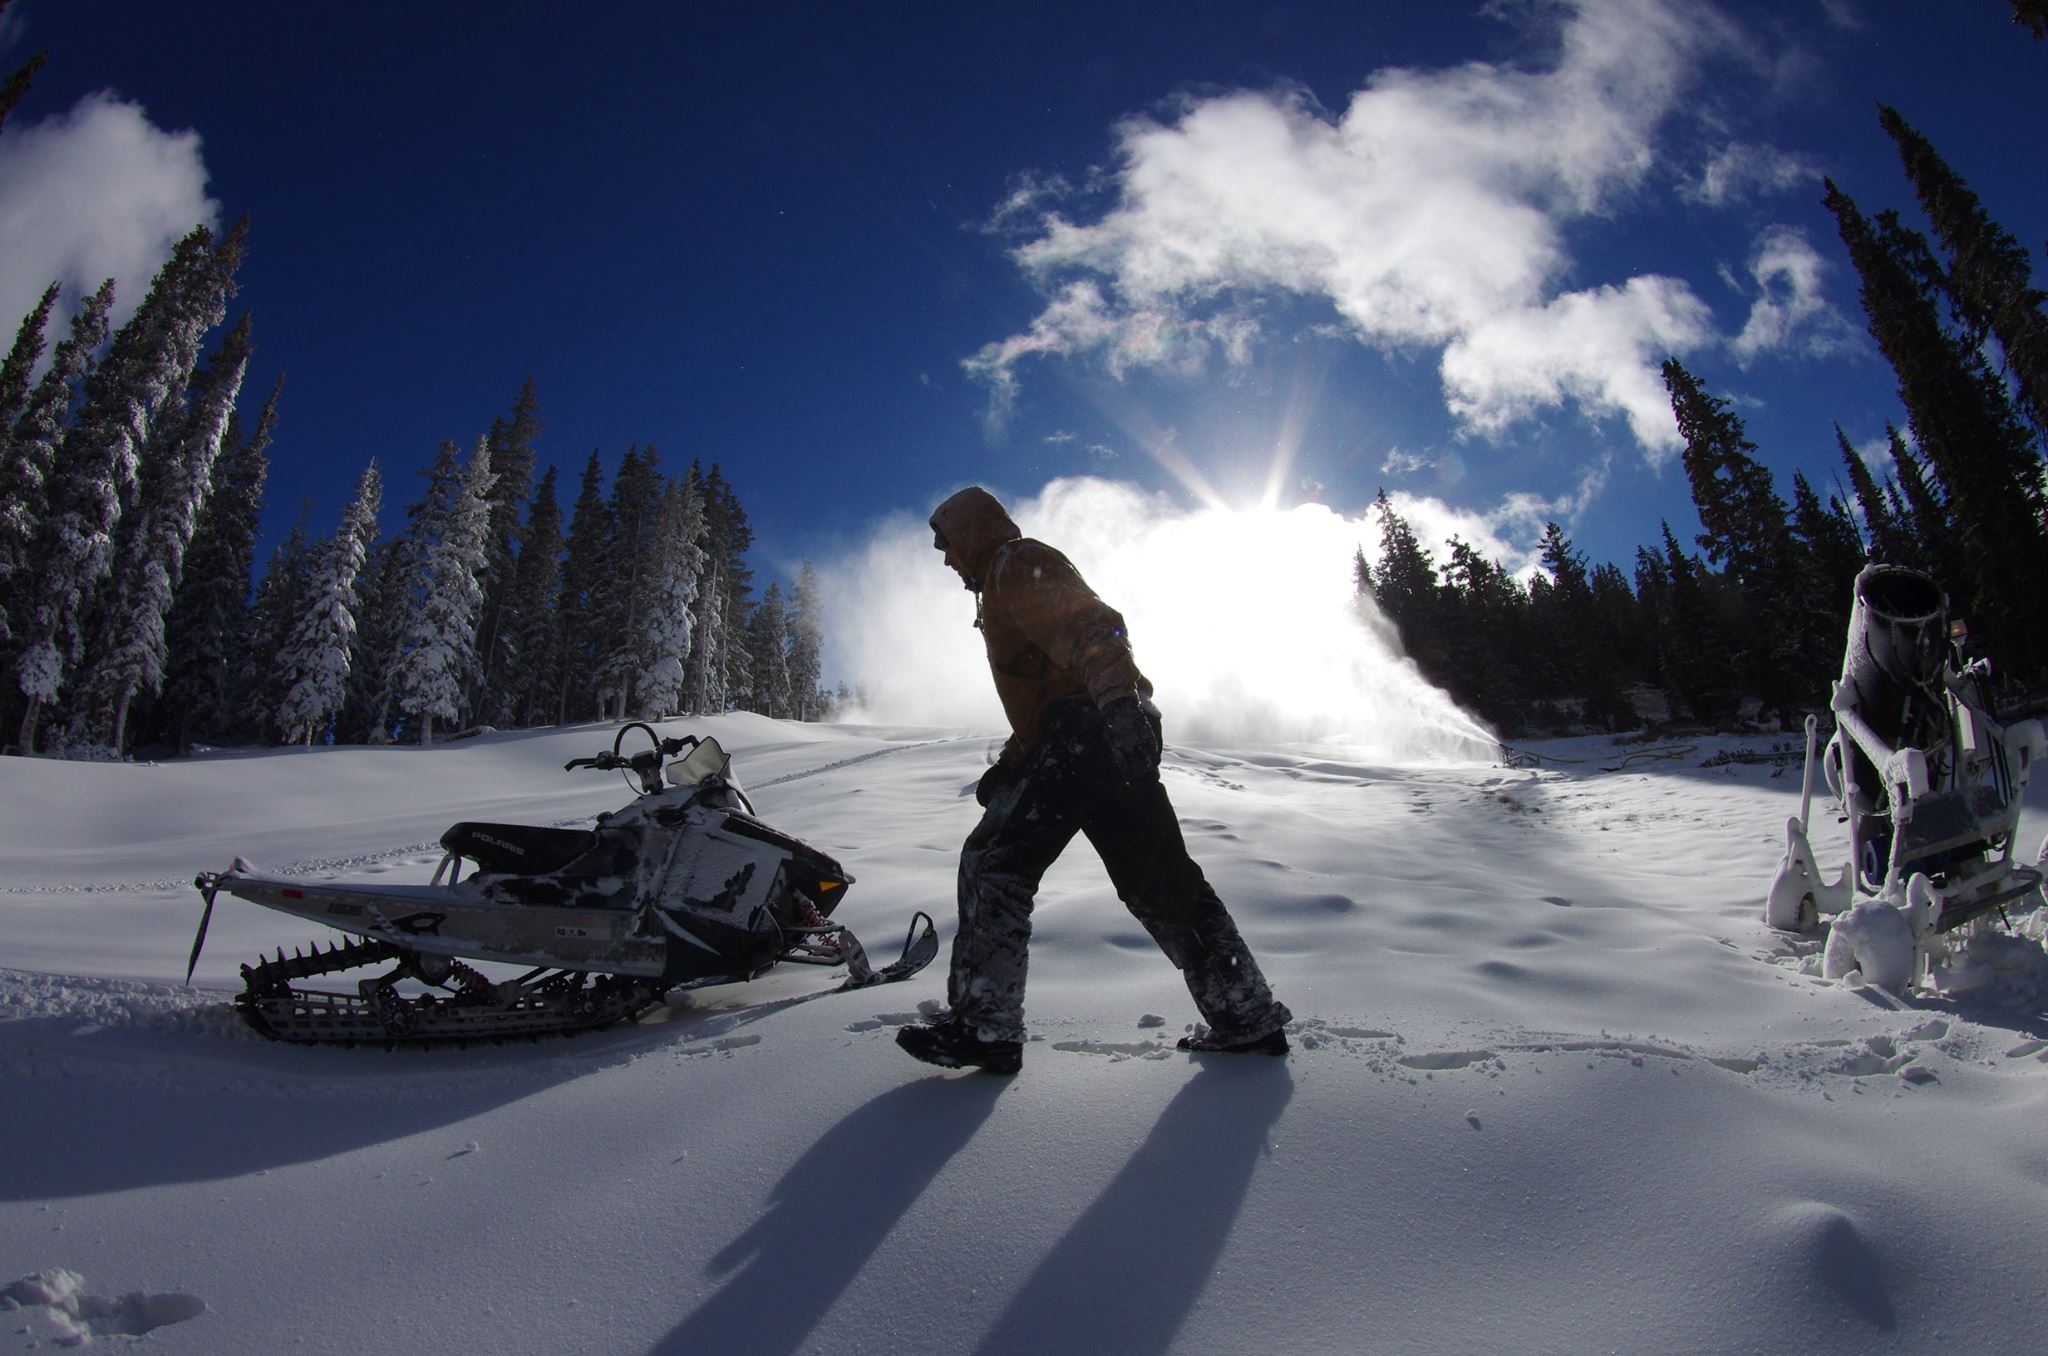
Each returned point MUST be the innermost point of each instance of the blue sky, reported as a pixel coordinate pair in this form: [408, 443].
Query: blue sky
[861, 254]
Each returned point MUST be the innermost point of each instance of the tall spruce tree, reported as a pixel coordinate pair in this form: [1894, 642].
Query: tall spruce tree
[531, 625]
[438, 644]
[1990, 276]
[15, 87]
[512, 459]
[27, 455]
[808, 698]
[632, 560]
[208, 631]
[130, 658]
[583, 571]
[94, 480]
[1975, 446]
[317, 656]
[664, 623]
[1406, 587]
[279, 603]
[21, 360]
[768, 652]
[719, 668]
[1747, 532]
[1887, 537]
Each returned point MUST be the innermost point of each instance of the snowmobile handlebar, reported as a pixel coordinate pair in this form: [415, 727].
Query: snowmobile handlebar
[646, 764]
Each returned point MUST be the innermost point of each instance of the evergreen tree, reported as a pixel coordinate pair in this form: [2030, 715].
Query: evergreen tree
[21, 360]
[1483, 611]
[512, 458]
[768, 646]
[316, 659]
[1987, 467]
[2032, 15]
[1405, 585]
[1748, 534]
[664, 619]
[208, 631]
[1563, 618]
[1697, 635]
[583, 570]
[94, 480]
[632, 561]
[531, 626]
[366, 714]
[1990, 277]
[1830, 556]
[1888, 537]
[438, 645]
[130, 659]
[720, 667]
[15, 88]
[281, 599]
[808, 699]
[28, 451]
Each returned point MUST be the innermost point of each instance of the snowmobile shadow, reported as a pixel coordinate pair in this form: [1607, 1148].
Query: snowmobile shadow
[1109, 1285]
[90, 1115]
[850, 1188]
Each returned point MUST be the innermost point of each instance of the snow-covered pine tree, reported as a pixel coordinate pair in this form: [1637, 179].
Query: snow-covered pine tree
[208, 631]
[630, 563]
[21, 360]
[718, 669]
[438, 633]
[583, 571]
[129, 658]
[768, 656]
[808, 698]
[316, 659]
[280, 601]
[28, 450]
[663, 616]
[365, 715]
[531, 629]
[512, 457]
[94, 480]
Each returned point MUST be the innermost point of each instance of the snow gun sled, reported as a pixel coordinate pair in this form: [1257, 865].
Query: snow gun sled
[1931, 786]
[683, 887]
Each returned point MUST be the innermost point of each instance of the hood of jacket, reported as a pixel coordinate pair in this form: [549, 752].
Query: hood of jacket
[975, 524]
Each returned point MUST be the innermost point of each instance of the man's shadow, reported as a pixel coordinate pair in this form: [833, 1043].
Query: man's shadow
[829, 1214]
[1125, 1276]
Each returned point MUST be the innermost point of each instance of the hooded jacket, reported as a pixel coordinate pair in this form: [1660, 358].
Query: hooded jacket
[1048, 636]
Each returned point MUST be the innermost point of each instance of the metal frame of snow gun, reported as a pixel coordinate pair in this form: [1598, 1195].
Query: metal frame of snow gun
[1931, 786]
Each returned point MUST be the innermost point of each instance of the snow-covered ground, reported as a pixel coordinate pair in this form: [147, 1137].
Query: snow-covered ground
[1555, 1086]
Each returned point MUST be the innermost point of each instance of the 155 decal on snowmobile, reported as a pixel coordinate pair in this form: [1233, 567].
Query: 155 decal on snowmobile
[685, 886]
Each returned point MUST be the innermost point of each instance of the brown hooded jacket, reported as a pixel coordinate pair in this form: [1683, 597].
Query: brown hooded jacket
[1048, 636]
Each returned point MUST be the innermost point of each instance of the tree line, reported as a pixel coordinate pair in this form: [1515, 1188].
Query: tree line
[1752, 624]
[131, 490]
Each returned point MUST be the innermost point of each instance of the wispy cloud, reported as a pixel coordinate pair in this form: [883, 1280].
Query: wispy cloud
[1430, 212]
[1740, 171]
[1791, 311]
[96, 193]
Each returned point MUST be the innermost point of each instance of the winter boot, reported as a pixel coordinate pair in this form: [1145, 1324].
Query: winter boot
[1207, 1042]
[950, 1044]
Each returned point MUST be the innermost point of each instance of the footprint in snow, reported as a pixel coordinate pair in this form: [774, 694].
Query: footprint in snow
[78, 1318]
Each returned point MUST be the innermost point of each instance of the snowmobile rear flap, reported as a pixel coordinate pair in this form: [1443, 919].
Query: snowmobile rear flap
[530, 849]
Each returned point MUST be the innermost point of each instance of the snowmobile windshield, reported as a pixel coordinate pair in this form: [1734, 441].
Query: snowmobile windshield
[706, 760]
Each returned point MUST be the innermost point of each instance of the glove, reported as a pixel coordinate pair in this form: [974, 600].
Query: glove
[1132, 725]
[1000, 777]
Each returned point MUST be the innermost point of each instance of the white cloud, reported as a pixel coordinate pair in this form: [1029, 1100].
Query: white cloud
[1430, 212]
[96, 193]
[1740, 171]
[1790, 311]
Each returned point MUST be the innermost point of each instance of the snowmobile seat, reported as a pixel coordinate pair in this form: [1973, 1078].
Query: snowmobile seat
[527, 849]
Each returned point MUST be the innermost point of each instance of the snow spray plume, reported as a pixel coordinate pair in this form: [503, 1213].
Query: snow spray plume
[1246, 620]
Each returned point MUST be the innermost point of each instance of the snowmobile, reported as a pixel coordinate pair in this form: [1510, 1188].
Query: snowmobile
[683, 887]
[1931, 785]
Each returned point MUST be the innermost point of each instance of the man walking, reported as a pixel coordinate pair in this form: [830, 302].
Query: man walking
[1082, 757]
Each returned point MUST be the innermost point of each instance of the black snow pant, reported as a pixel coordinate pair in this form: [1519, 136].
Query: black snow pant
[1067, 785]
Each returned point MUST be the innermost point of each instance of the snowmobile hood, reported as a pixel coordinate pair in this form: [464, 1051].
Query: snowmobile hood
[976, 525]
